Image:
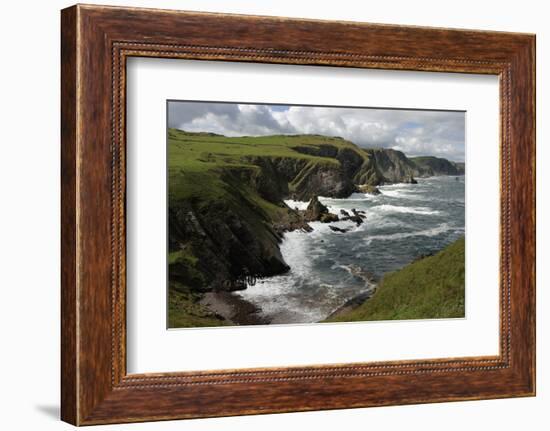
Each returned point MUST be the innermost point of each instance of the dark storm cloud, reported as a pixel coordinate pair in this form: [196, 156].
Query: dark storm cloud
[438, 133]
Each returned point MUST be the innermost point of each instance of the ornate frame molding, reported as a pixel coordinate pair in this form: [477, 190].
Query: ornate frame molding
[96, 41]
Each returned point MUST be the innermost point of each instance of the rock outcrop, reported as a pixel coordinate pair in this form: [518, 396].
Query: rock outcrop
[392, 165]
[221, 245]
[316, 211]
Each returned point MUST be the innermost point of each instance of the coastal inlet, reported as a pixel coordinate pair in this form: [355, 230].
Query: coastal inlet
[329, 268]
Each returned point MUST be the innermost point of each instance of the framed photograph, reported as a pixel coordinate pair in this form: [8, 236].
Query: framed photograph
[264, 214]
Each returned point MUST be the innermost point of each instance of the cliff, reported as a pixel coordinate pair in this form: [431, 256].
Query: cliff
[434, 166]
[393, 166]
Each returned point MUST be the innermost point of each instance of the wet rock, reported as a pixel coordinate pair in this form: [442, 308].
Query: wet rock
[356, 219]
[315, 210]
[328, 218]
[337, 229]
[359, 213]
[410, 180]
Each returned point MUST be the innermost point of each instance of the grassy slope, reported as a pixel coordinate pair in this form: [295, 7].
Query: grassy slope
[432, 287]
[184, 311]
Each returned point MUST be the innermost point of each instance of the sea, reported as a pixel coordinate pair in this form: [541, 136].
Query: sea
[328, 268]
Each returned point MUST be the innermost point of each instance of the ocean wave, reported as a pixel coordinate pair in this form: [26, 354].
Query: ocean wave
[378, 221]
[396, 186]
[438, 230]
[278, 293]
[400, 209]
[336, 203]
[354, 197]
[403, 194]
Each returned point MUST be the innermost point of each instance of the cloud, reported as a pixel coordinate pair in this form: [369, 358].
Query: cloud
[437, 133]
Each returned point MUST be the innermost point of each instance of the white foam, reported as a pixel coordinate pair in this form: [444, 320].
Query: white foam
[444, 227]
[403, 194]
[354, 197]
[400, 209]
[276, 293]
[396, 185]
[301, 205]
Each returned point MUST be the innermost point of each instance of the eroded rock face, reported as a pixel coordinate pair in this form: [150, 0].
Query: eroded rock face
[322, 180]
[225, 246]
[393, 165]
[280, 178]
[345, 171]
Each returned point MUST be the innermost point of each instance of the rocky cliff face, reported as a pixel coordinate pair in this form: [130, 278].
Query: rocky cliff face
[302, 179]
[226, 244]
[394, 166]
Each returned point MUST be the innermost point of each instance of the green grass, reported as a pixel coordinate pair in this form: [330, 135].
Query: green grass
[196, 160]
[183, 256]
[430, 288]
[185, 311]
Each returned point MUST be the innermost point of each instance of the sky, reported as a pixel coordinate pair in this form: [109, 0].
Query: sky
[416, 133]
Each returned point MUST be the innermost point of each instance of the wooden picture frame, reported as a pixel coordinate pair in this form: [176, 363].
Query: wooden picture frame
[95, 43]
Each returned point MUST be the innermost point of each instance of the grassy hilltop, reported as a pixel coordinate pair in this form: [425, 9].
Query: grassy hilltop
[206, 156]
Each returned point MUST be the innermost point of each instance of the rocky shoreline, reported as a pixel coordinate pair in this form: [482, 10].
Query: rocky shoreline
[352, 304]
[233, 309]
